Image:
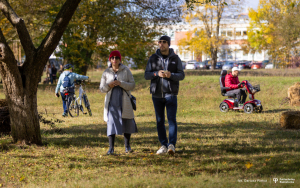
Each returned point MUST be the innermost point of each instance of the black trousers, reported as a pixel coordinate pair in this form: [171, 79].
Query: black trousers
[239, 93]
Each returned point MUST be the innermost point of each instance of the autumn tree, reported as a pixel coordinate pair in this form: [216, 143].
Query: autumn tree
[275, 27]
[196, 42]
[206, 35]
[20, 82]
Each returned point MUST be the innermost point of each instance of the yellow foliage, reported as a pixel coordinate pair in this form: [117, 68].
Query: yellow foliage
[248, 165]
[202, 38]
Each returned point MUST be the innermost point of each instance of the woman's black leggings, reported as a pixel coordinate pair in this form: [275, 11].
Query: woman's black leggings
[111, 140]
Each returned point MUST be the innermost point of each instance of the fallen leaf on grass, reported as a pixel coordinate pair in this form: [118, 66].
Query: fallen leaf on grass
[248, 165]
[22, 178]
[268, 159]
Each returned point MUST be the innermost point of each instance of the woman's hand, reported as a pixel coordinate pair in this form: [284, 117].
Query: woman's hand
[114, 83]
[117, 83]
[111, 84]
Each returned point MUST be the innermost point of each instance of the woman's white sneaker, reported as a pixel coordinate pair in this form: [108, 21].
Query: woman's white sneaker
[171, 149]
[162, 150]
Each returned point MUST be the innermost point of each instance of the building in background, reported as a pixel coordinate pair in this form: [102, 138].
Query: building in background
[233, 28]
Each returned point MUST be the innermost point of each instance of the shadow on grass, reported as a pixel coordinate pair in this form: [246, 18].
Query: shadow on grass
[206, 146]
[275, 111]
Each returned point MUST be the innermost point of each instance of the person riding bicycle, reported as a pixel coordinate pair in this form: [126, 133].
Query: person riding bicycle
[68, 72]
[232, 81]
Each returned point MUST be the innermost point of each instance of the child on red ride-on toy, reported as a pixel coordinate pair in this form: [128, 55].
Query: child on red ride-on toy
[231, 87]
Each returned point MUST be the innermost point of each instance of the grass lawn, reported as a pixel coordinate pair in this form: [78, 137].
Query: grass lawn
[214, 149]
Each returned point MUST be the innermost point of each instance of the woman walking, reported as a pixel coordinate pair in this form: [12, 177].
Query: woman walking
[117, 82]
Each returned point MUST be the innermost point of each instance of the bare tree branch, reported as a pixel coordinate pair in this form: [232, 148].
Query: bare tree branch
[53, 37]
[6, 54]
[19, 24]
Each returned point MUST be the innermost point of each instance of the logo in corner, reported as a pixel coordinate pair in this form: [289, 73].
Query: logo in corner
[275, 180]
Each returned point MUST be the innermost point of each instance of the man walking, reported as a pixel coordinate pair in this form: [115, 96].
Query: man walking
[164, 69]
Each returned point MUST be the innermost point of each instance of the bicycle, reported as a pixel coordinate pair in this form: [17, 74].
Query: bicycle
[71, 102]
[83, 97]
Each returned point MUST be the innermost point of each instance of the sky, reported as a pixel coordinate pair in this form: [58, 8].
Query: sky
[251, 4]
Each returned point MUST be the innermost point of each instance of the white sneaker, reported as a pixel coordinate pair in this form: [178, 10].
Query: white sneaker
[162, 150]
[171, 149]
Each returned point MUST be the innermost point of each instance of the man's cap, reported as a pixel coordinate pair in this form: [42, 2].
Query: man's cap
[166, 38]
[235, 69]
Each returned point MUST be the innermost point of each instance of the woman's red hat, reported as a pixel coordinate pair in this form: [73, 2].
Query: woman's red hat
[115, 53]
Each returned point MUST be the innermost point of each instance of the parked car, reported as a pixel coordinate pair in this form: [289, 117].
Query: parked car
[183, 64]
[57, 62]
[218, 65]
[228, 65]
[256, 66]
[203, 65]
[193, 64]
[269, 66]
[244, 65]
[207, 63]
[264, 63]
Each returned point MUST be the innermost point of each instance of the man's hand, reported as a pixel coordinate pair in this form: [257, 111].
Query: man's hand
[167, 74]
[56, 95]
[161, 74]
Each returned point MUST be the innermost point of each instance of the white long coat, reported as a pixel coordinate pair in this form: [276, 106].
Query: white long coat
[127, 83]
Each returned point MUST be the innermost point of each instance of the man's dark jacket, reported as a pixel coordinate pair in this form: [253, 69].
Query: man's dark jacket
[162, 87]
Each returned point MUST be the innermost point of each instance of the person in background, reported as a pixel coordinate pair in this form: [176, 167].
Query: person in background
[164, 69]
[53, 74]
[232, 81]
[68, 71]
[117, 82]
[48, 73]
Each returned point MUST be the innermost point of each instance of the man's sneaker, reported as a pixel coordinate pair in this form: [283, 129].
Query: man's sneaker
[64, 114]
[241, 104]
[162, 150]
[171, 149]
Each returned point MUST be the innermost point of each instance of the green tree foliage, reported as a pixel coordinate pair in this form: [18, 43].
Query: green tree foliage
[35, 15]
[100, 26]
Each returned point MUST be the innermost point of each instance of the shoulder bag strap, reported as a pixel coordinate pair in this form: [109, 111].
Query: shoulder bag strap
[126, 92]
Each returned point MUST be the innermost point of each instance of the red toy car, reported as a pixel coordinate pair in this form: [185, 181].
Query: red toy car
[232, 104]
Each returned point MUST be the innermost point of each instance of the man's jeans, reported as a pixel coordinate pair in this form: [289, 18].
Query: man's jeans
[64, 102]
[159, 105]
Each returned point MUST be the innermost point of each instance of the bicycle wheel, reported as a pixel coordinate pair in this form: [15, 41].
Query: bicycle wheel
[73, 107]
[90, 111]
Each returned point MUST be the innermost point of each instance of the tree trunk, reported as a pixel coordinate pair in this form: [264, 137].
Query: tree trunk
[25, 126]
[21, 98]
[87, 58]
[214, 58]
